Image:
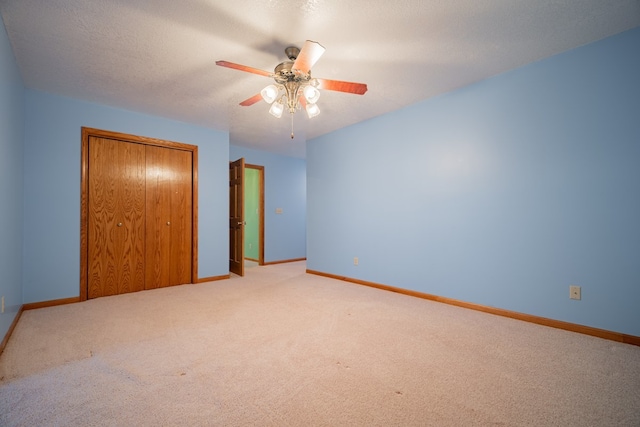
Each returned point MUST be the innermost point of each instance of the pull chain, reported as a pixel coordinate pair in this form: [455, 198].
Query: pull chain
[291, 125]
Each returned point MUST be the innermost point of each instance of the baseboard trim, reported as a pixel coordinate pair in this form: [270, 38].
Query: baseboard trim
[5, 340]
[213, 278]
[50, 303]
[285, 261]
[558, 324]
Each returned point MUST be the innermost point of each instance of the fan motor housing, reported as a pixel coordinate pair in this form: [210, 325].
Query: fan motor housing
[284, 73]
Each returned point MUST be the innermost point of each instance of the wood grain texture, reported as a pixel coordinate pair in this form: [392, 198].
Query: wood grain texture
[213, 278]
[5, 340]
[168, 212]
[116, 243]
[86, 132]
[309, 54]
[558, 324]
[84, 212]
[158, 234]
[190, 218]
[50, 303]
[194, 214]
[245, 68]
[250, 101]
[180, 211]
[284, 261]
[236, 217]
[340, 86]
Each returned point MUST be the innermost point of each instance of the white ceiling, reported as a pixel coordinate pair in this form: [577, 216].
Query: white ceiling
[158, 56]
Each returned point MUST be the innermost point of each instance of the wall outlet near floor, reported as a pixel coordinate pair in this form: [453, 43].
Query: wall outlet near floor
[355, 260]
[2, 309]
[575, 292]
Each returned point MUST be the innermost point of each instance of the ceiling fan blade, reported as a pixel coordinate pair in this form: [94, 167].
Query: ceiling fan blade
[303, 101]
[309, 55]
[340, 86]
[243, 68]
[255, 98]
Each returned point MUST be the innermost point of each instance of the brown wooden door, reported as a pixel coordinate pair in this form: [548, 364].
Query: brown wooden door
[169, 204]
[181, 217]
[236, 217]
[116, 217]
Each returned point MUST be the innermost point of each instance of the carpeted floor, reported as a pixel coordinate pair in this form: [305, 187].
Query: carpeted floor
[283, 348]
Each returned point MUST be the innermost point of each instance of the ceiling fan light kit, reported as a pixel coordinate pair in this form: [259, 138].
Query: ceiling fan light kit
[311, 94]
[269, 93]
[294, 86]
[312, 110]
[276, 109]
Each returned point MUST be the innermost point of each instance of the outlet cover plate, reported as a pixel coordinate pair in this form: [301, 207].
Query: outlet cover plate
[575, 292]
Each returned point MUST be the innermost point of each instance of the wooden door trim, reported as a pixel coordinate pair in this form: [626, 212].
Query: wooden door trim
[260, 170]
[84, 193]
[236, 216]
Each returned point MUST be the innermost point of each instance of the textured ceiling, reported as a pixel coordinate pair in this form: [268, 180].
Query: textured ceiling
[158, 56]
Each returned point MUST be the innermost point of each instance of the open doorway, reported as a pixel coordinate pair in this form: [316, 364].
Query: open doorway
[254, 214]
[246, 215]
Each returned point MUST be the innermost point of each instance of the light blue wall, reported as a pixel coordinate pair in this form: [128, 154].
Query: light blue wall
[52, 188]
[502, 193]
[284, 187]
[11, 166]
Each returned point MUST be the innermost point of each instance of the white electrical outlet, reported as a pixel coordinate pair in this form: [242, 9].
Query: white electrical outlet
[355, 261]
[575, 292]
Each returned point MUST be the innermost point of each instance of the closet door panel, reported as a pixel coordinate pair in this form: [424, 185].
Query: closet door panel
[169, 210]
[181, 216]
[116, 217]
[158, 236]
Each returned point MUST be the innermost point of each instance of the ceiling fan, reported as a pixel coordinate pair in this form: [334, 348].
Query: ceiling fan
[294, 87]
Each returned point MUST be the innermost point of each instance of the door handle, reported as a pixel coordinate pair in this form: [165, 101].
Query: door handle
[168, 222]
[119, 224]
[242, 222]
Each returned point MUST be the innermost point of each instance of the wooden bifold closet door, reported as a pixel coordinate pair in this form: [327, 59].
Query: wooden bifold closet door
[168, 219]
[139, 216]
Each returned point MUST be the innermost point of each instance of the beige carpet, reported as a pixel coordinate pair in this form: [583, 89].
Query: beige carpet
[283, 348]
